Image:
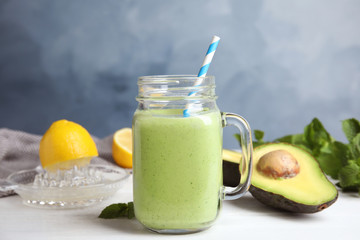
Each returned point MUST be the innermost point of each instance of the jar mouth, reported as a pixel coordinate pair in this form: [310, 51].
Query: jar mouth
[179, 77]
[170, 87]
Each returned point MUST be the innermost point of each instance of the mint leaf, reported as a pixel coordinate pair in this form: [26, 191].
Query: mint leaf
[285, 139]
[118, 210]
[292, 139]
[256, 144]
[237, 136]
[330, 164]
[349, 175]
[351, 127]
[259, 135]
[340, 151]
[316, 137]
[296, 139]
[114, 211]
[131, 212]
[355, 147]
[332, 157]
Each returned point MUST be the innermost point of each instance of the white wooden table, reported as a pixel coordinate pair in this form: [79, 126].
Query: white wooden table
[244, 218]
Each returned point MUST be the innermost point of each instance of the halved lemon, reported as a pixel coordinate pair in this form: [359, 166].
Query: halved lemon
[122, 147]
[66, 144]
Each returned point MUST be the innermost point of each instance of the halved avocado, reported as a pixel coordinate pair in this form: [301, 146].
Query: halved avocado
[288, 177]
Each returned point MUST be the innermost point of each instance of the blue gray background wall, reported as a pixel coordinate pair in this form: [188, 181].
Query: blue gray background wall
[279, 63]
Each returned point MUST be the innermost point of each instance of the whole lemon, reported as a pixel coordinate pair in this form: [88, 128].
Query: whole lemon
[66, 144]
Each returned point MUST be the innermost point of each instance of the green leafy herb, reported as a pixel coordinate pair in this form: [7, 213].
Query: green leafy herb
[259, 135]
[131, 212]
[351, 128]
[349, 175]
[296, 139]
[118, 210]
[337, 159]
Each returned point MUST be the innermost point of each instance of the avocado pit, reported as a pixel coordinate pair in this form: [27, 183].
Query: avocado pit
[278, 164]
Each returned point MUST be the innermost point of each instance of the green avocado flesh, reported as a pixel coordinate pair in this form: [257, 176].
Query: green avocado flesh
[308, 191]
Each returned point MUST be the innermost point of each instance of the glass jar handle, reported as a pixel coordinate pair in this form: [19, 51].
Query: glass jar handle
[245, 165]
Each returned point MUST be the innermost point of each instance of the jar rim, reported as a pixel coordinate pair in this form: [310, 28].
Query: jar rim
[175, 76]
[175, 87]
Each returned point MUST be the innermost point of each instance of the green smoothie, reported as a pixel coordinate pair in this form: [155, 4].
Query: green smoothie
[177, 168]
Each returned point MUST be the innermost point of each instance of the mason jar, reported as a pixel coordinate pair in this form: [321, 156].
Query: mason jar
[177, 153]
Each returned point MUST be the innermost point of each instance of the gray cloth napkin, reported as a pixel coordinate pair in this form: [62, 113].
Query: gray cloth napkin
[20, 151]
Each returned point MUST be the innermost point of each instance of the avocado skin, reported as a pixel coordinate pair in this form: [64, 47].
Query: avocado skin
[231, 174]
[280, 202]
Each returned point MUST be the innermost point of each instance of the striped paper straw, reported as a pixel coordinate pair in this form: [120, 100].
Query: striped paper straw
[204, 68]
